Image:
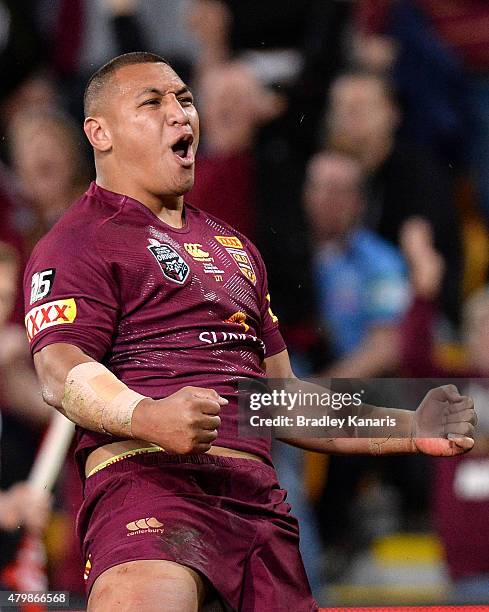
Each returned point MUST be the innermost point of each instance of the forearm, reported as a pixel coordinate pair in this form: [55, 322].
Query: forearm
[442, 426]
[398, 439]
[86, 391]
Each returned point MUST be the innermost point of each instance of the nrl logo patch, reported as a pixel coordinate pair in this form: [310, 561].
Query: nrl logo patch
[172, 265]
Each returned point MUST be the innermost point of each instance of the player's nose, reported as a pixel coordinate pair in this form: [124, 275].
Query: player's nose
[176, 114]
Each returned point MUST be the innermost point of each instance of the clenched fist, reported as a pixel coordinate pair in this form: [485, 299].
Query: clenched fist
[444, 423]
[184, 422]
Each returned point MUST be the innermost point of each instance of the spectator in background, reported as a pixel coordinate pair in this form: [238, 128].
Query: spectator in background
[418, 354]
[361, 286]
[128, 25]
[33, 90]
[361, 296]
[275, 31]
[23, 506]
[225, 180]
[37, 91]
[460, 489]
[460, 510]
[21, 45]
[13, 213]
[23, 416]
[293, 47]
[49, 159]
[20, 396]
[84, 34]
[402, 180]
[24, 413]
[442, 65]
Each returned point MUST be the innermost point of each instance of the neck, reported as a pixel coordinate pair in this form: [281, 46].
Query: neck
[168, 208]
[339, 239]
[376, 152]
[338, 242]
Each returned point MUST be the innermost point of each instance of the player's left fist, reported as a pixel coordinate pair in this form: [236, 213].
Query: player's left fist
[444, 423]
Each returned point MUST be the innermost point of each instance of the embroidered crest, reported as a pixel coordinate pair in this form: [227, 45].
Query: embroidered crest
[171, 263]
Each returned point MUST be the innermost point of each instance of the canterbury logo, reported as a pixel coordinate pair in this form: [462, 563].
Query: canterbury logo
[145, 524]
[195, 251]
[240, 318]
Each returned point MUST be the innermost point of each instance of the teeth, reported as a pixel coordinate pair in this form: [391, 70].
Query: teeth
[181, 147]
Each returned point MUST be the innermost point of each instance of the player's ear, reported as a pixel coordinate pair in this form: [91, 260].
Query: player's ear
[98, 134]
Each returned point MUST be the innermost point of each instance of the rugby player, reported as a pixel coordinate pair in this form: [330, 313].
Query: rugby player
[142, 311]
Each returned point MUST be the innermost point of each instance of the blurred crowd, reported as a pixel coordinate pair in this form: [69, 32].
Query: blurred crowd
[349, 140]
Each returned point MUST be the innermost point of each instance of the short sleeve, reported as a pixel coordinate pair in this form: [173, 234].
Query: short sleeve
[270, 332]
[70, 294]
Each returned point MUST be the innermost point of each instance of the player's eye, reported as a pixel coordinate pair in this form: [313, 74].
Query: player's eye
[187, 101]
[151, 102]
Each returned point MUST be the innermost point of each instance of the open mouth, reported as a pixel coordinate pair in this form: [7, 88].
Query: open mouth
[182, 149]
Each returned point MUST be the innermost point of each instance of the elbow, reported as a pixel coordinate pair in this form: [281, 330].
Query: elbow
[51, 383]
[51, 396]
[53, 363]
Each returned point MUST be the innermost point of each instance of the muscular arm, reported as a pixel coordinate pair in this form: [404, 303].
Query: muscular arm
[443, 411]
[184, 422]
[52, 364]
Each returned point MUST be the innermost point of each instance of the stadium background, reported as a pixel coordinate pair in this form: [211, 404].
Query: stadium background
[350, 141]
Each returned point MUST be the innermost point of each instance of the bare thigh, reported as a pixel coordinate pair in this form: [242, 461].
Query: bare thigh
[147, 586]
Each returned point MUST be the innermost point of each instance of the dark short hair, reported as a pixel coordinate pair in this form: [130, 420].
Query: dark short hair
[102, 76]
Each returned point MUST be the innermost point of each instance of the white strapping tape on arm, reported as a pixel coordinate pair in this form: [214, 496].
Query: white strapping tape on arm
[96, 399]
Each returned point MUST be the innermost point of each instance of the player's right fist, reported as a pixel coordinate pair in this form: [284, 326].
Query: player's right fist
[184, 422]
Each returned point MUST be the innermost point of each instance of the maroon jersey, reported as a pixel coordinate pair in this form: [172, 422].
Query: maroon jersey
[461, 508]
[161, 307]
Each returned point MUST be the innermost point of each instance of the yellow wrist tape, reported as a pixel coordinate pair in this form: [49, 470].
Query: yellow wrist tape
[96, 399]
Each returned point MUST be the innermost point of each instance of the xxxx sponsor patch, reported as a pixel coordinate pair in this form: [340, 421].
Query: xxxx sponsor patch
[229, 241]
[235, 248]
[48, 315]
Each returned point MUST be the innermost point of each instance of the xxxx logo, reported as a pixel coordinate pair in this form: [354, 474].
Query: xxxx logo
[229, 241]
[49, 314]
[145, 525]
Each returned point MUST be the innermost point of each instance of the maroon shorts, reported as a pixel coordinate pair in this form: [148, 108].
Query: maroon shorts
[224, 517]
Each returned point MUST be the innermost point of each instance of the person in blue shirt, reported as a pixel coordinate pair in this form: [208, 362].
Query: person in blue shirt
[361, 284]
